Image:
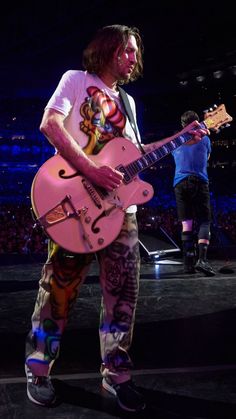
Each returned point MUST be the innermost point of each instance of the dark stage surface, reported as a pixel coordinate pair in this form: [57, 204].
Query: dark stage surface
[184, 346]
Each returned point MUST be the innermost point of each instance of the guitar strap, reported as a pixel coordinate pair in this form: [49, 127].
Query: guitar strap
[130, 115]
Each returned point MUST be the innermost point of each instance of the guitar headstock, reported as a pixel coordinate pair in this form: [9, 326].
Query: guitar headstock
[217, 118]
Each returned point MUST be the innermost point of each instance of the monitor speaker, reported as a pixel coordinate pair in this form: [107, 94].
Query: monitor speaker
[157, 243]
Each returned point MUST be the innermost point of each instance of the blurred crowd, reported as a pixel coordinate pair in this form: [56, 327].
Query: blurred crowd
[20, 234]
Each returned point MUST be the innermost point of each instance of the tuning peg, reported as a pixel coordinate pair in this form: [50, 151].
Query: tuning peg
[210, 109]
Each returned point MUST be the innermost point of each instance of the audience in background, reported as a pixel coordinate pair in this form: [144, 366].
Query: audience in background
[19, 234]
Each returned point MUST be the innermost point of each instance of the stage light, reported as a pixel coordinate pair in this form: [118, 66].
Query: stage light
[183, 82]
[200, 78]
[218, 74]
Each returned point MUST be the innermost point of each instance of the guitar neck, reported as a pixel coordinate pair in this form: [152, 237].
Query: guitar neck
[149, 159]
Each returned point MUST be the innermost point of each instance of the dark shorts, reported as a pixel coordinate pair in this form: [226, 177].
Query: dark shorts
[193, 199]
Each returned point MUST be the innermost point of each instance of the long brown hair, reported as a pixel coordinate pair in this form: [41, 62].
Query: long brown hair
[99, 52]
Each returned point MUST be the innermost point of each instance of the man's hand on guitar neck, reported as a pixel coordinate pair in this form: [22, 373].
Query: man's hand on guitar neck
[194, 128]
[197, 132]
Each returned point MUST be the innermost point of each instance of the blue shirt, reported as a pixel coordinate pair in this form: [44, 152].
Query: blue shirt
[192, 160]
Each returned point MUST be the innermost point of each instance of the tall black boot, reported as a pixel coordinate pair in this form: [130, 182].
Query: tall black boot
[202, 264]
[189, 252]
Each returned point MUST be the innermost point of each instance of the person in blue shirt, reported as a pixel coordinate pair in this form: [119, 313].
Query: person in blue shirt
[191, 187]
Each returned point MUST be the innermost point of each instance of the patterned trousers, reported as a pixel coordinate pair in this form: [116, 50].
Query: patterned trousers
[62, 276]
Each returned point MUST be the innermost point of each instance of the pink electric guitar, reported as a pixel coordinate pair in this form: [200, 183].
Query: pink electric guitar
[83, 218]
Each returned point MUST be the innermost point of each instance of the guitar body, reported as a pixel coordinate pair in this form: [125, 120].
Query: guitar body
[77, 215]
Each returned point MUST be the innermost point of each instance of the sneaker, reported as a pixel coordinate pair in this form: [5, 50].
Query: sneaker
[205, 267]
[39, 389]
[127, 395]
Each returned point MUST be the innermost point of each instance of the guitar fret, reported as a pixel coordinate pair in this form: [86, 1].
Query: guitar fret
[159, 153]
[170, 147]
[152, 156]
[165, 149]
[131, 169]
[173, 144]
[138, 165]
[147, 159]
[180, 140]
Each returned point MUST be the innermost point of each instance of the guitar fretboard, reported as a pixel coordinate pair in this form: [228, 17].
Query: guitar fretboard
[149, 159]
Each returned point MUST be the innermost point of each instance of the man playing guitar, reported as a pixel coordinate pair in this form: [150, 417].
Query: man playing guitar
[83, 115]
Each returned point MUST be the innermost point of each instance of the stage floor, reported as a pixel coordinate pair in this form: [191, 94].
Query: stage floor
[184, 346]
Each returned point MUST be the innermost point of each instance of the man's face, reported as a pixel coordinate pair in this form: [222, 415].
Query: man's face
[124, 62]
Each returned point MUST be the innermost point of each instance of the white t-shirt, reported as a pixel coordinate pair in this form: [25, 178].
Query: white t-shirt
[94, 114]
